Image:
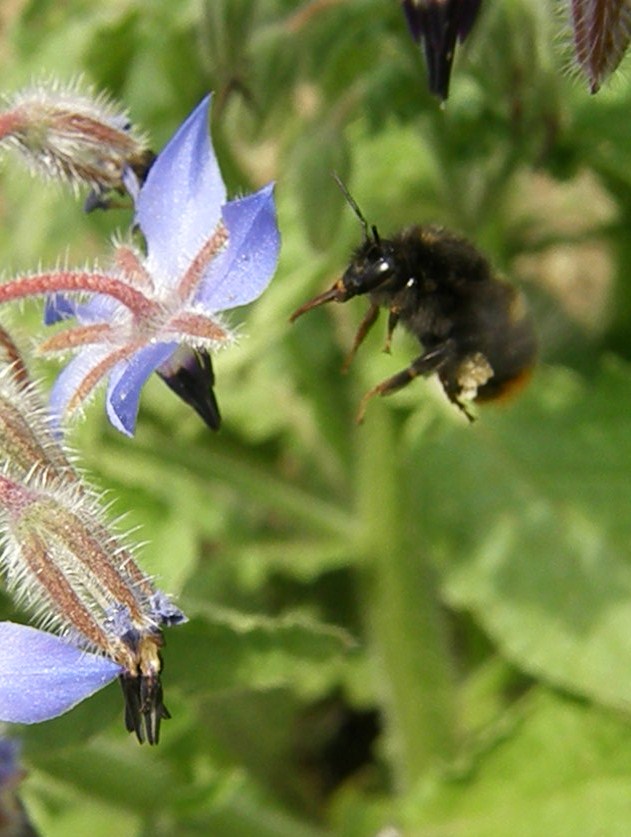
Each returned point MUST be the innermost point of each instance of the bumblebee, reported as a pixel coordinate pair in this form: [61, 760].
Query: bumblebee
[475, 329]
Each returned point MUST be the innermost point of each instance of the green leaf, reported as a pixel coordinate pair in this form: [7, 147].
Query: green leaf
[531, 517]
[122, 775]
[321, 153]
[228, 649]
[565, 769]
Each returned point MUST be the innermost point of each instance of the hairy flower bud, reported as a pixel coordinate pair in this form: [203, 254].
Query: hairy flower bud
[602, 30]
[62, 562]
[74, 136]
[438, 25]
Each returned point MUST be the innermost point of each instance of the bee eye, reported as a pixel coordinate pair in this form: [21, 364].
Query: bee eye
[374, 274]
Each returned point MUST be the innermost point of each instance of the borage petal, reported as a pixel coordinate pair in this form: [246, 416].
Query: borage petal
[126, 382]
[241, 273]
[180, 203]
[42, 676]
[60, 307]
[71, 377]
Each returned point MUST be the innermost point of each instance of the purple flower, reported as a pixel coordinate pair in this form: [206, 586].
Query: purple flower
[42, 675]
[204, 256]
[9, 766]
[438, 24]
[60, 558]
[14, 820]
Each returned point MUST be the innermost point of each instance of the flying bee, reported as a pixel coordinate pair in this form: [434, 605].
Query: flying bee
[475, 329]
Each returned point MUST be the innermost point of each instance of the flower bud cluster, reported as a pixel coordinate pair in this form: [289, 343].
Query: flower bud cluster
[601, 31]
[155, 307]
[62, 562]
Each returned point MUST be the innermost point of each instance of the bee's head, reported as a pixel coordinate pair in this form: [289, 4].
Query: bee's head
[371, 266]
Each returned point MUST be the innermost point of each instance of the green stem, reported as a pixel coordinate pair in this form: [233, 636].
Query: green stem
[253, 480]
[406, 624]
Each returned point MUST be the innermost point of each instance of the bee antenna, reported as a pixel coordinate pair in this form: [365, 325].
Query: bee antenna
[350, 200]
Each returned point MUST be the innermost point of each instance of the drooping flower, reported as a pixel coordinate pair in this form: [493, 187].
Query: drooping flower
[69, 134]
[61, 561]
[189, 373]
[602, 31]
[204, 256]
[438, 25]
[14, 821]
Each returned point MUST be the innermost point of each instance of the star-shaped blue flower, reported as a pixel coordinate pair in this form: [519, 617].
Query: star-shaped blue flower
[204, 256]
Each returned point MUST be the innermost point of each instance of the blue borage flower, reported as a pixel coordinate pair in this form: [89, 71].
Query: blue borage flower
[204, 256]
[60, 559]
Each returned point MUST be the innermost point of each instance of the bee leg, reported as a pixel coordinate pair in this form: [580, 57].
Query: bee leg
[393, 319]
[364, 327]
[465, 409]
[426, 364]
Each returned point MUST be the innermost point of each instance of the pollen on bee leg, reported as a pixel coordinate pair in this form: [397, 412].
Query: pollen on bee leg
[473, 373]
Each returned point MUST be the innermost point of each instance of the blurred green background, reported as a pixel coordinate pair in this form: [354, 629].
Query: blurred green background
[413, 627]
